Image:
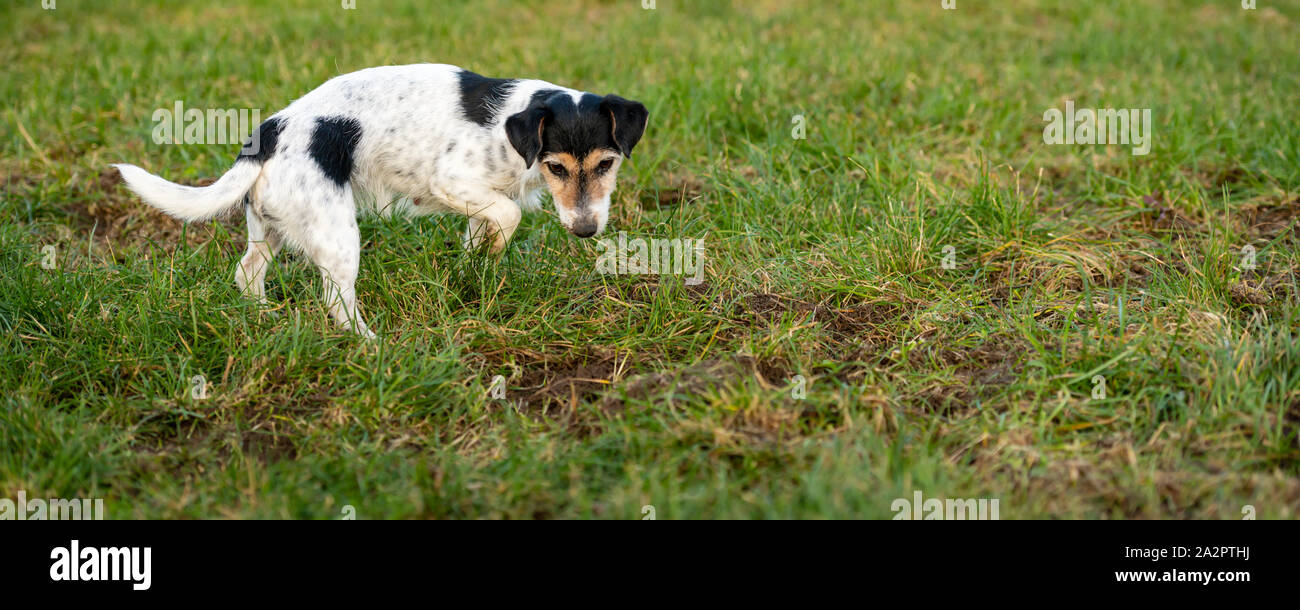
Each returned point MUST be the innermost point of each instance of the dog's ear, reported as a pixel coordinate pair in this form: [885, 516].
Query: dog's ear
[627, 121]
[524, 130]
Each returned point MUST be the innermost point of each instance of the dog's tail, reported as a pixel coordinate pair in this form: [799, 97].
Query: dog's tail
[193, 203]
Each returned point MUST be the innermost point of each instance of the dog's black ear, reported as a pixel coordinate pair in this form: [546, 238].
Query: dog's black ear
[524, 130]
[628, 121]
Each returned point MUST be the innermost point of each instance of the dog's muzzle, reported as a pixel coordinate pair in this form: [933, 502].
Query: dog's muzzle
[584, 228]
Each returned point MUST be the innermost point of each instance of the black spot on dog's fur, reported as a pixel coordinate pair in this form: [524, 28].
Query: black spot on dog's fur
[480, 95]
[333, 144]
[451, 147]
[267, 136]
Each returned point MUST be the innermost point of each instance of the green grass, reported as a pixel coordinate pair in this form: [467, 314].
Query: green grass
[924, 133]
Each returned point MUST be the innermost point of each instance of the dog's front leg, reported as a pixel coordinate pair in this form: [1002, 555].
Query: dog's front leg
[493, 218]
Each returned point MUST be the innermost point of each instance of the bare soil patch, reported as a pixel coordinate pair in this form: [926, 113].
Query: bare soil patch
[844, 322]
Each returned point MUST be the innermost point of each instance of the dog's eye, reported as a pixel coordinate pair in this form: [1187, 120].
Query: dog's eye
[557, 169]
[605, 165]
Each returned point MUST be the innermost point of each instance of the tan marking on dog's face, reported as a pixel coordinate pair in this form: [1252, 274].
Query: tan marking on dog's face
[581, 187]
[580, 181]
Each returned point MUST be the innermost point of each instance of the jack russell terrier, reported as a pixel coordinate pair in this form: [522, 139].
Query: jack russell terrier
[412, 139]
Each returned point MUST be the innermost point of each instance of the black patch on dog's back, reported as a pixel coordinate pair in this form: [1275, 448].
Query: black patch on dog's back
[266, 135]
[480, 95]
[333, 144]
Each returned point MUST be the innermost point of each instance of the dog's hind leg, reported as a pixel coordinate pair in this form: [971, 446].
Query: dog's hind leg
[333, 242]
[263, 245]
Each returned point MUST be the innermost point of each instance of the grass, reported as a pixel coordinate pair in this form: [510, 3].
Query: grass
[1073, 267]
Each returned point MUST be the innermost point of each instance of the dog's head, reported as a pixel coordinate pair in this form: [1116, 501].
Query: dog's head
[580, 145]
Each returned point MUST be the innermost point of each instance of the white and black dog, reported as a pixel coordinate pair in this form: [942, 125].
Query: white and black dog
[414, 139]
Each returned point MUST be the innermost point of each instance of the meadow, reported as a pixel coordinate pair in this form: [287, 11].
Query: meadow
[905, 288]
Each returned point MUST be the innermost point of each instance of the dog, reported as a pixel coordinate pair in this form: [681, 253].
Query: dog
[415, 139]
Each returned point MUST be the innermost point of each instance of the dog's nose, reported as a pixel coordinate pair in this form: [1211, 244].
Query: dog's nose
[586, 229]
